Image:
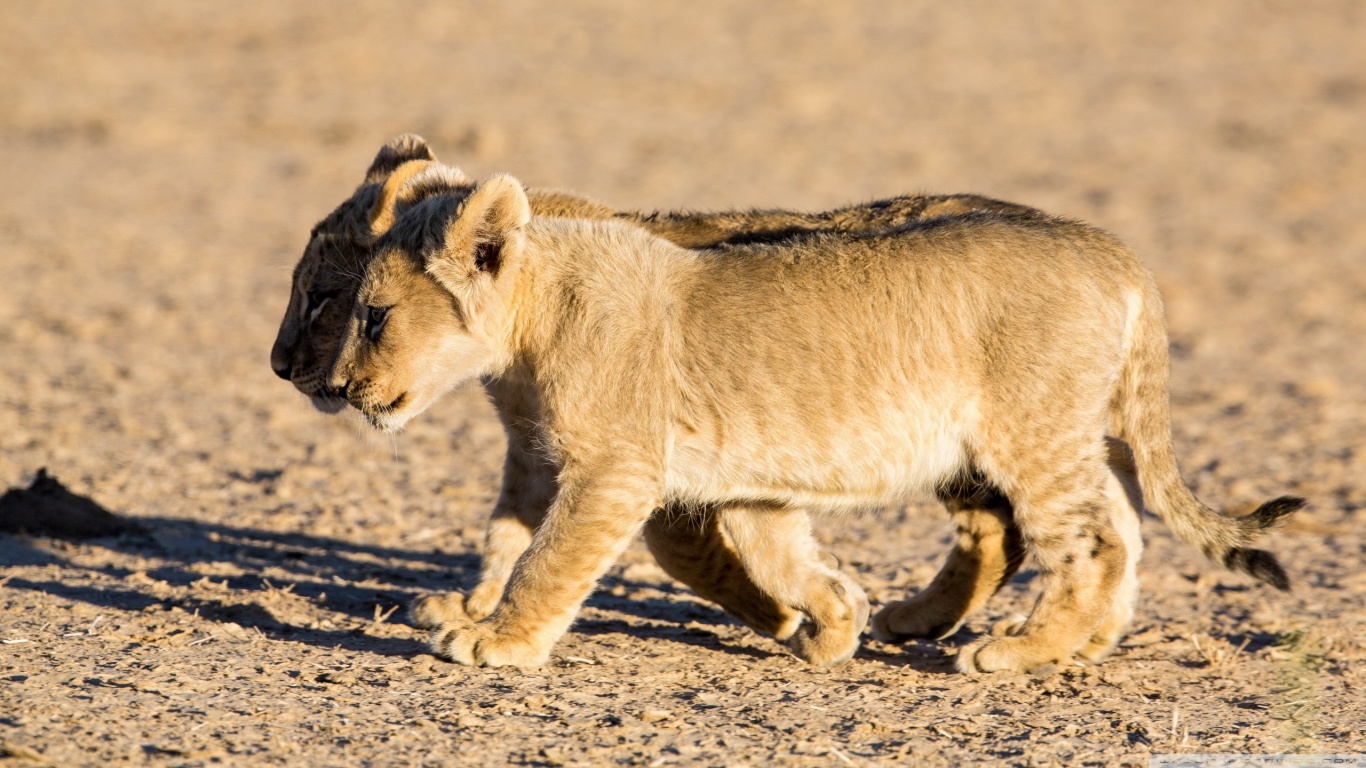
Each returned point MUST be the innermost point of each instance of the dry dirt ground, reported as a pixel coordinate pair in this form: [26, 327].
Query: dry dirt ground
[235, 600]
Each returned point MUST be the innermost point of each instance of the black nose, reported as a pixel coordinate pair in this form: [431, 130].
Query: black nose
[282, 372]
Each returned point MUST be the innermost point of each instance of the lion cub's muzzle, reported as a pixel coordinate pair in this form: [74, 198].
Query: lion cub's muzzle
[364, 397]
[328, 400]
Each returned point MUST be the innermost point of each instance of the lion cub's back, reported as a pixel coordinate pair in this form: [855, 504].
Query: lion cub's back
[929, 293]
[843, 347]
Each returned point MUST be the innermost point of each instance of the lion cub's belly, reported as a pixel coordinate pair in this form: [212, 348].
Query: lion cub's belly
[812, 460]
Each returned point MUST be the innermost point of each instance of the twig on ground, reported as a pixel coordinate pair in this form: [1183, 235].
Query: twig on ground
[380, 618]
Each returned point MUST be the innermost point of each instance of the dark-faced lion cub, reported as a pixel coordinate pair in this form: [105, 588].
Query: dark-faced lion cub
[990, 351]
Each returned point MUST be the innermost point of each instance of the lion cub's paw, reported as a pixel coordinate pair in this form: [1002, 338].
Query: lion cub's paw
[1004, 654]
[900, 621]
[483, 599]
[827, 641]
[1101, 645]
[479, 645]
[1010, 625]
[432, 611]
[1111, 630]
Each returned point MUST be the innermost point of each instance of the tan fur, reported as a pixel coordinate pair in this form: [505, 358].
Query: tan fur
[696, 552]
[986, 350]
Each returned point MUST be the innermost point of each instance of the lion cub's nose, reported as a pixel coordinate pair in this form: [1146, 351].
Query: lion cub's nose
[279, 359]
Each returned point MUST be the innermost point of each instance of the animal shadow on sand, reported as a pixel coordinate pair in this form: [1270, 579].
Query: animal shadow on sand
[357, 580]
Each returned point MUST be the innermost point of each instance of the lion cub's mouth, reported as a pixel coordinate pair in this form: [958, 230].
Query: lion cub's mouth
[382, 417]
[328, 401]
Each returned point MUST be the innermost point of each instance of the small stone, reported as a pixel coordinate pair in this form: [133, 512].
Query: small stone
[338, 678]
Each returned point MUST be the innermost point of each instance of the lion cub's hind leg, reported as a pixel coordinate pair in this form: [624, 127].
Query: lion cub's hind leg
[1126, 509]
[1126, 504]
[987, 552]
[1067, 527]
[692, 546]
[782, 558]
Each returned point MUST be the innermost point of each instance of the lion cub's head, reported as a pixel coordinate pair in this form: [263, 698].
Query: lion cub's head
[435, 306]
[328, 273]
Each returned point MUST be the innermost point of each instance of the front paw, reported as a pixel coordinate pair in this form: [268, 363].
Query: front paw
[1009, 626]
[483, 599]
[437, 610]
[479, 645]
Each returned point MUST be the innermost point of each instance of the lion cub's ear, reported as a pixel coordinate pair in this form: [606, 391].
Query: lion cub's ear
[382, 212]
[399, 150]
[483, 238]
[413, 182]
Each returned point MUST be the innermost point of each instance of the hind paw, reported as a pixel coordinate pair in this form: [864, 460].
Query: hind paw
[1006, 654]
[834, 641]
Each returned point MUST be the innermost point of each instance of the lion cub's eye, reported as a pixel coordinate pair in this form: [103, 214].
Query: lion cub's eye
[374, 322]
[316, 301]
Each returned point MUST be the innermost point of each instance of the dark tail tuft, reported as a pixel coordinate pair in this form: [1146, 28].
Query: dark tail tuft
[1258, 563]
[1270, 513]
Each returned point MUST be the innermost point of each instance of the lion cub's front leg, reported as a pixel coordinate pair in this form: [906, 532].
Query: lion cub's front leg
[528, 490]
[689, 545]
[594, 518]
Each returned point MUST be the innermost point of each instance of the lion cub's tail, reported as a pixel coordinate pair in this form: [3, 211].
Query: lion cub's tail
[1142, 417]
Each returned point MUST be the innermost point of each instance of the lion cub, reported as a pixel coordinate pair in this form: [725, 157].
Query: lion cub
[825, 371]
[691, 546]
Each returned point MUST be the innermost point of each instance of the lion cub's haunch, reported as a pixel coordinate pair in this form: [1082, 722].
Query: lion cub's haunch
[831, 371]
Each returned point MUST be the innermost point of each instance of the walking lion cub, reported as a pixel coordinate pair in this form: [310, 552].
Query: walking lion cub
[691, 544]
[990, 351]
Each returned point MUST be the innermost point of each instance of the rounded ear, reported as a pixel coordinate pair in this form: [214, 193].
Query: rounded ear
[399, 150]
[413, 182]
[382, 212]
[482, 234]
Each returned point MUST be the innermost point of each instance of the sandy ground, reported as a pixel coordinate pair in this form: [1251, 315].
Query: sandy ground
[163, 162]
